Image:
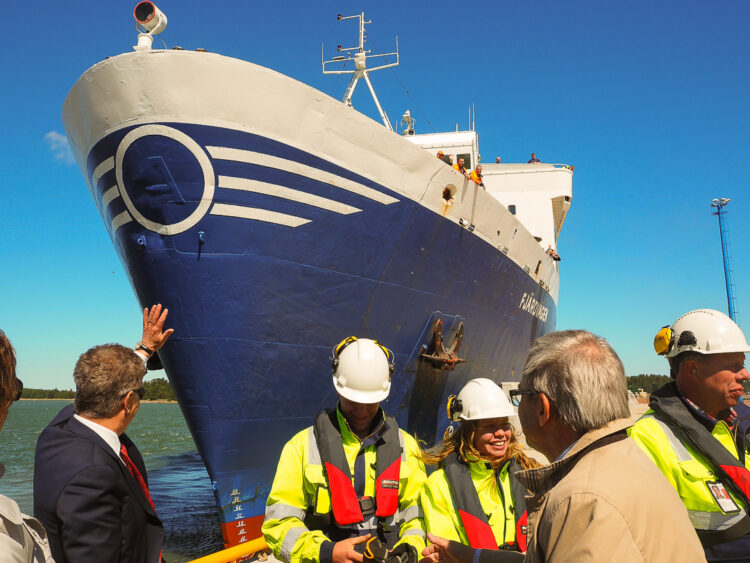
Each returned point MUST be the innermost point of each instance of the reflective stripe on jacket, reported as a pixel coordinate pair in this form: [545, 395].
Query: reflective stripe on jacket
[441, 516]
[300, 490]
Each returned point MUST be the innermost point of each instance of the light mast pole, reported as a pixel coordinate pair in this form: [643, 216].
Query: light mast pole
[719, 204]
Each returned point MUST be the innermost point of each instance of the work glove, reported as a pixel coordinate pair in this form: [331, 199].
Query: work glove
[403, 553]
[375, 551]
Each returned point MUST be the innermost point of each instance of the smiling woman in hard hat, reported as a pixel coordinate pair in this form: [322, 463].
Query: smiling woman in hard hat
[473, 497]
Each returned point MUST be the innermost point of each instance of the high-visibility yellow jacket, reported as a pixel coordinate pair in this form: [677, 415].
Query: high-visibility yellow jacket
[300, 488]
[692, 475]
[686, 469]
[441, 516]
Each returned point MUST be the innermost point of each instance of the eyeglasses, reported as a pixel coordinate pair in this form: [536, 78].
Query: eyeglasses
[20, 390]
[516, 394]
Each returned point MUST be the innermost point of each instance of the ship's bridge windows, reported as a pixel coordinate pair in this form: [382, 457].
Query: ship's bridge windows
[467, 159]
[512, 208]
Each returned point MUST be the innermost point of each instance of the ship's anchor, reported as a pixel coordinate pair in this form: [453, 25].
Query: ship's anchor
[436, 353]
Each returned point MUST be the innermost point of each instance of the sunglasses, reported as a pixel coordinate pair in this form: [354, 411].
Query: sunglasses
[141, 391]
[516, 394]
[20, 390]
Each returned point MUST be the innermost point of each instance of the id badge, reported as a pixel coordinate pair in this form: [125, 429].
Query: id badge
[723, 499]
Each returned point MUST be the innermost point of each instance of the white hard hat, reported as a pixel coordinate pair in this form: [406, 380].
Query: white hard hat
[704, 331]
[362, 370]
[480, 398]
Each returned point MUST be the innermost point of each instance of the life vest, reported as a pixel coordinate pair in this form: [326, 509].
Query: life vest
[470, 511]
[346, 506]
[731, 472]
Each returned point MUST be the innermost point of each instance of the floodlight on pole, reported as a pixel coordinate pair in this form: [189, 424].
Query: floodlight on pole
[719, 204]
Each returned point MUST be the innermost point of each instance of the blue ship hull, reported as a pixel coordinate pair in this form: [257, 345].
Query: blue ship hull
[256, 306]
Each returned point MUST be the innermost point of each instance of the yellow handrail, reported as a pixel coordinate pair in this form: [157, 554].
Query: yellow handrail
[234, 553]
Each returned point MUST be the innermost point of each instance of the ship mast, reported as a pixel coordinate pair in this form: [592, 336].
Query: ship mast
[360, 56]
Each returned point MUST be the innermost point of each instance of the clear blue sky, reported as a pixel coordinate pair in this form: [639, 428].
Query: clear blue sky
[649, 101]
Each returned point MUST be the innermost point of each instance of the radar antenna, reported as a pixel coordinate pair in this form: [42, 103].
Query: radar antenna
[360, 56]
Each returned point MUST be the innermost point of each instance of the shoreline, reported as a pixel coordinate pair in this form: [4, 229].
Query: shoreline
[146, 401]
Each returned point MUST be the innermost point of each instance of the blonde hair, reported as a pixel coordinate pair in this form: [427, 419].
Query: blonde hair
[462, 442]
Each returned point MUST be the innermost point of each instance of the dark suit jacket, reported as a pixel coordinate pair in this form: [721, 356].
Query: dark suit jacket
[92, 507]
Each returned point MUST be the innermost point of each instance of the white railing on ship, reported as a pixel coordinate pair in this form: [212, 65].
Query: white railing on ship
[533, 168]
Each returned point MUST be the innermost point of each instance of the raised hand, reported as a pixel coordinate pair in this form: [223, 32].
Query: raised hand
[154, 336]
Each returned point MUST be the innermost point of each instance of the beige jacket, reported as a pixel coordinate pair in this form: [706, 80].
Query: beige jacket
[22, 538]
[606, 501]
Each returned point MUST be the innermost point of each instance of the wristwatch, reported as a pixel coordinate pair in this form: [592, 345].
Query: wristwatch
[141, 346]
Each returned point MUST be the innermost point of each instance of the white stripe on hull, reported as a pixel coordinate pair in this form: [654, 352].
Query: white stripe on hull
[103, 167]
[257, 215]
[244, 184]
[120, 220]
[109, 195]
[250, 157]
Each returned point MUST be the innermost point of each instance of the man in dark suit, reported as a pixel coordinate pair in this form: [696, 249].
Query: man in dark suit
[90, 482]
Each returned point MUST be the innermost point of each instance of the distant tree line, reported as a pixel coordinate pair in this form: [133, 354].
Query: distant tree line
[649, 382]
[156, 390]
[48, 393]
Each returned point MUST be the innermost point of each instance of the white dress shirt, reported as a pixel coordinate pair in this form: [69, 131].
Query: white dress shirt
[109, 436]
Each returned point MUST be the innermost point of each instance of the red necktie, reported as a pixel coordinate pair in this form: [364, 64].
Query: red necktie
[136, 474]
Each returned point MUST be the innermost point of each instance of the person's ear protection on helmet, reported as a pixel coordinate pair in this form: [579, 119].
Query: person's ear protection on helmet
[336, 352]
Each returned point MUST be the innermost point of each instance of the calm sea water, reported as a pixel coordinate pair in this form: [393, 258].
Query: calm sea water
[178, 482]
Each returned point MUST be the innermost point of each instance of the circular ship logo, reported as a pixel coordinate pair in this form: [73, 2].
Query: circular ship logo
[168, 182]
[147, 174]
